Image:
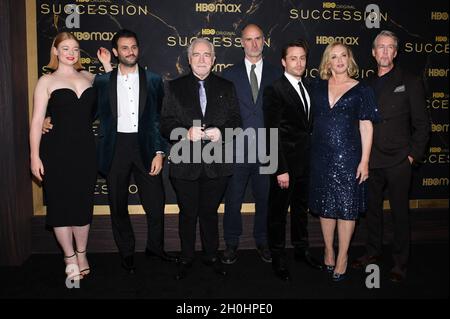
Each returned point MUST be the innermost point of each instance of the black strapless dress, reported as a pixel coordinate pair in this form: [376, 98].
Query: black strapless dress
[68, 156]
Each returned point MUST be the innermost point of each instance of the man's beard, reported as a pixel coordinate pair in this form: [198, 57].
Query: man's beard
[125, 62]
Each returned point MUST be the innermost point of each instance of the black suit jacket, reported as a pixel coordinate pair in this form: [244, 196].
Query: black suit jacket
[181, 107]
[405, 126]
[283, 109]
[151, 93]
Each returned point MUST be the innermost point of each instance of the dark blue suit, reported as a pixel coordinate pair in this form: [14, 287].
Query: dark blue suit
[252, 117]
[121, 154]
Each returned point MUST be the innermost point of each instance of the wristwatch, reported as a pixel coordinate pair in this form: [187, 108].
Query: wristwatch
[161, 153]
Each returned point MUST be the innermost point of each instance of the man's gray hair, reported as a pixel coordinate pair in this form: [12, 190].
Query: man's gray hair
[200, 40]
[386, 33]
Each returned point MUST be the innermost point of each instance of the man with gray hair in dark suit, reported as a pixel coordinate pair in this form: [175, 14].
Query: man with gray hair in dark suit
[201, 107]
[399, 142]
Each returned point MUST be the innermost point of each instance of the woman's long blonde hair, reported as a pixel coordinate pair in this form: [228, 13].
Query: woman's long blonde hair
[324, 68]
[54, 63]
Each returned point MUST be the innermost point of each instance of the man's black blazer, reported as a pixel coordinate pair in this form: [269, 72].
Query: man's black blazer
[404, 128]
[181, 106]
[283, 109]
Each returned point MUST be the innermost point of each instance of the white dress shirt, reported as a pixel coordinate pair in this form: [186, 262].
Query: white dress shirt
[294, 83]
[258, 70]
[128, 101]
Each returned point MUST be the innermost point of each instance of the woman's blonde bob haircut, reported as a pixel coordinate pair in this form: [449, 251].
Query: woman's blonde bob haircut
[54, 63]
[324, 68]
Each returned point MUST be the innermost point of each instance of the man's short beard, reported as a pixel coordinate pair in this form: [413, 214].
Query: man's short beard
[126, 63]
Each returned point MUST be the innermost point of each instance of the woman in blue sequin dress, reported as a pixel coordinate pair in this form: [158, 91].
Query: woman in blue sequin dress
[343, 112]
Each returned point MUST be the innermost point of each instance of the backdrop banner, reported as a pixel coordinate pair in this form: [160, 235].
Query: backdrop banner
[166, 28]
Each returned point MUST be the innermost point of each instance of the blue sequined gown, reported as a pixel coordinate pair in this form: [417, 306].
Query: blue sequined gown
[336, 151]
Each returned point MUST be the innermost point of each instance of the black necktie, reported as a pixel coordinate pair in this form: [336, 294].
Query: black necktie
[305, 101]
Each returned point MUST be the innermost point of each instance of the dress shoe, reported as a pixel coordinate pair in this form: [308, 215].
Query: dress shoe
[303, 255]
[229, 255]
[365, 260]
[72, 269]
[128, 265]
[396, 277]
[335, 277]
[397, 274]
[264, 253]
[328, 268]
[216, 265]
[280, 268]
[282, 273]
[182, 269]
[84, 270]
[162, 255]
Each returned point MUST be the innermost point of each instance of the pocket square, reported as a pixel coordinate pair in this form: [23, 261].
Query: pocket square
[400, 88]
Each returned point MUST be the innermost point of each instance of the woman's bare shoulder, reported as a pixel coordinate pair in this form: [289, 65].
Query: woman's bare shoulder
[46, 81]
[88, 75]
[47, 77]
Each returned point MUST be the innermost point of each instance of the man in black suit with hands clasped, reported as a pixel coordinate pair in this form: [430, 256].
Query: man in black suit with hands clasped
[197, 109]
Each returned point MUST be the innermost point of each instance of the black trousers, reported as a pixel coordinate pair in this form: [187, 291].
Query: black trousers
[127, 161]
[397, 179]
[295, 197]
[199, 198]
